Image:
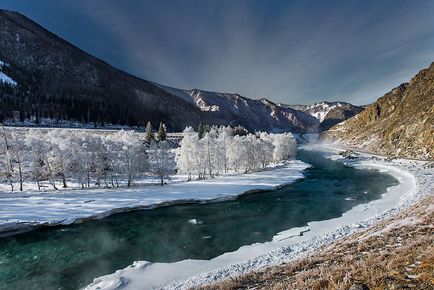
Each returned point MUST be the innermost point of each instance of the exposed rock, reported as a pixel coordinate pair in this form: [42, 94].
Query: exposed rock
[329, 113]
[401, 123]
[234, 109]
[358, 286]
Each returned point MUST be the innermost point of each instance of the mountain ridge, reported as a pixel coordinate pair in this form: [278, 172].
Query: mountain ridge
[56, 80]
[329, 113]
[400, 123]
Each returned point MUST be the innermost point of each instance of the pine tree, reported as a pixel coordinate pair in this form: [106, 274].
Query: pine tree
[161, 135]
[200, 130]
[149, 134]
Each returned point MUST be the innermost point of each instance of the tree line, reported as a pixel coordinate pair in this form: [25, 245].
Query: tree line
[90, 159]
[220, 150]
[65, 158]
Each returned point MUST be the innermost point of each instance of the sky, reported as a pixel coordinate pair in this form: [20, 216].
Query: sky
[294, 52]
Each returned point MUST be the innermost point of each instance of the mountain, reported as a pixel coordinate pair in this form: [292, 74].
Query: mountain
[235, 109]
[401, 123]
[46, 78]
[58, 80]
[328, 113]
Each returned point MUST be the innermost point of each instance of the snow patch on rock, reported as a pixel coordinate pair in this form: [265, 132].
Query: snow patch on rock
[4, 78]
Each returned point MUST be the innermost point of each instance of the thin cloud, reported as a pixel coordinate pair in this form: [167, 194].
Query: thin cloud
[288, 51]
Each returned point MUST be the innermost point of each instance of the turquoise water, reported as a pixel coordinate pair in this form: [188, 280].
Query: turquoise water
[69, 257]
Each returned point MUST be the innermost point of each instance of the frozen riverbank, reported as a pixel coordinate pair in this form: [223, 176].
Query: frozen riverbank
[22, 211]
[286, 245]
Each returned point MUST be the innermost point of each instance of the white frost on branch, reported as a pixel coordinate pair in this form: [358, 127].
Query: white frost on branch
[221, 151]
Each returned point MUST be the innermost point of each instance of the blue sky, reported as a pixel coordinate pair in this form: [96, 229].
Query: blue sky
[288, 51]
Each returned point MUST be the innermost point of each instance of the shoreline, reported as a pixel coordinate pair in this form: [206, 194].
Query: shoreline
[286, 246]
[52, 209]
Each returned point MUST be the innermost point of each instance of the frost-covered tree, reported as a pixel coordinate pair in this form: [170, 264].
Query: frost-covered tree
[61, 153]
[185, 161]
[18, 150]
[209, 146]
[41, 169]
[161, 160]
[132, 155]
[6, 159]
[265, 149]
[110, 161]
[12, 155]
[284, 146]
[224, 135]
[220, 151]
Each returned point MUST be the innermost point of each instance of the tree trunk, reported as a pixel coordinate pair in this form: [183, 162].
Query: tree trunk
[21, 175]
[64, 180]
[88, 179]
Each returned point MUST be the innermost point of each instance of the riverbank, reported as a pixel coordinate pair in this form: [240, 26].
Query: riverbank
[286, 246]
[396, 253]
[28, 210]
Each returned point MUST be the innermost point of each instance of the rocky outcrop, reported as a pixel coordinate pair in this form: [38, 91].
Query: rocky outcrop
[328, 113]
[401, 123]
[234, 109]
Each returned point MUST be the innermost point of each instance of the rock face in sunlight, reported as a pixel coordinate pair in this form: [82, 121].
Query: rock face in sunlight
[400, 123]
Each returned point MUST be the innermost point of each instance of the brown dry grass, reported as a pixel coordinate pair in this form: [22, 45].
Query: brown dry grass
[397, 253]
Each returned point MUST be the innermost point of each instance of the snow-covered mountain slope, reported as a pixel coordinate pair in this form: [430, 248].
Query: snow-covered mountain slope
[48, 78]
[320, 110]
[56, 80]
[4, 78]
[234, 109]
[328, 113]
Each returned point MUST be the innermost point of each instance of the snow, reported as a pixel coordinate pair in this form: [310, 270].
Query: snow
[20, 211]
[204, 107]
[248, 111]
[415, 180]
[320, 110]
[60, 123]
[5, 79]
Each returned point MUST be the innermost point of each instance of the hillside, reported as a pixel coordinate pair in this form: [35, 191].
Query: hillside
[234, 109]
[328, 113]
[401, 123]
[43, 77]
[59, 81]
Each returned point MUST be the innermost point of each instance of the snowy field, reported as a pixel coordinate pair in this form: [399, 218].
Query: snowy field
[21, 211]
[416, 180]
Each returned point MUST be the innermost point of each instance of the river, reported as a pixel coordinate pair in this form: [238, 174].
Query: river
[69, 257]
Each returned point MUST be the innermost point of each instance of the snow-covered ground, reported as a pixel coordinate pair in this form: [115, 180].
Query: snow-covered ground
[416, 180]
[21, 211]
[4, 78]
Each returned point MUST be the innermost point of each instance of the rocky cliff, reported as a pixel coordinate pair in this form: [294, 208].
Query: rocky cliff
[401, 123]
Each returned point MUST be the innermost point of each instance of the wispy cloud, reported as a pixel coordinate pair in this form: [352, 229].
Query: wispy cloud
[289, 51]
